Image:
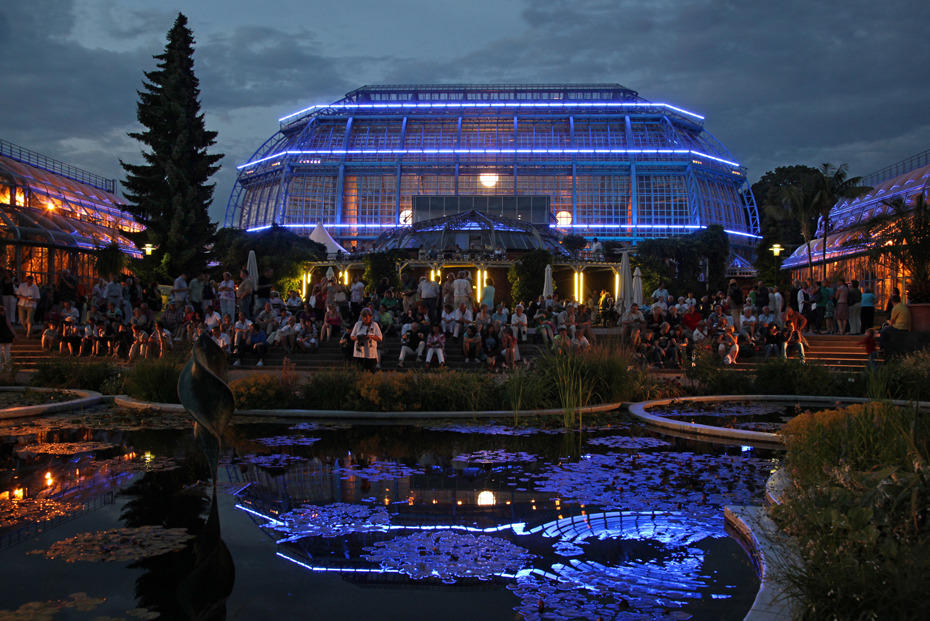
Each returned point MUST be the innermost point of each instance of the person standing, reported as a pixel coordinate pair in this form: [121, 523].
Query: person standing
[227, 294]
[245, 292]
[7, 334]
[855, 308]
[366, 334]
[868, 310]
[356, 296]
[735, 301]
[27, 295]
[841, 312]
[179, 292]
[461, 290]
[487, 294]
[8, 291]
[195, 291]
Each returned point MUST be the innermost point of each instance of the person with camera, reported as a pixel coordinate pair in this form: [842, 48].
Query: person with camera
[366, 335]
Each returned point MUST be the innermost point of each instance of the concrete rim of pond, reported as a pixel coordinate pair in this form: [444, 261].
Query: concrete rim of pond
[85, 398]
[137, 404]
[639, 410]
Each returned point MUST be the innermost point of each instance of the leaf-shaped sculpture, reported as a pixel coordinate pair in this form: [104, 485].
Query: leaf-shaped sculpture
[203, 390]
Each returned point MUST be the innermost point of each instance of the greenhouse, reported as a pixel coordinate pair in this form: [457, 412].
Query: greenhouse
[53, 216]
[596, 160]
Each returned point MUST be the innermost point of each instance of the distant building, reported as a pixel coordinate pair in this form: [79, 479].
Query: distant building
[592, 159]
[848, 241]
[54, 215]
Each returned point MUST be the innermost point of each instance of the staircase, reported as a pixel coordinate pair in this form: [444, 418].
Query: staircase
[842, 353]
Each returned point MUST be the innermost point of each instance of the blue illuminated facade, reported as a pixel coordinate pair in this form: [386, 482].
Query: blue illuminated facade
[608, 163]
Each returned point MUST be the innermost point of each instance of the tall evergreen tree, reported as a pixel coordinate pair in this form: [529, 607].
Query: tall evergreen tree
[169, 193]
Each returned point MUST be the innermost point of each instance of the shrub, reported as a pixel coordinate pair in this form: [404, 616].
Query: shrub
[330, 389]
[153, 380]
[71, 373]
[859, 511]
[790, 377]
[712, 378]
[262, 392]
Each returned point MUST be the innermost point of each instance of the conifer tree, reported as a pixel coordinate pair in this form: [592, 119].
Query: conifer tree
[169, 193]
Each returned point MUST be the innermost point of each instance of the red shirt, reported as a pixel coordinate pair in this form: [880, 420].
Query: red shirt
[691, 319]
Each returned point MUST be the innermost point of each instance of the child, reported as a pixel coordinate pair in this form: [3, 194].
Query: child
[435, 346]
[871, 345]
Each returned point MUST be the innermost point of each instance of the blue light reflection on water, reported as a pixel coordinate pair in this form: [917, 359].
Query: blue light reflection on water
[637, 541]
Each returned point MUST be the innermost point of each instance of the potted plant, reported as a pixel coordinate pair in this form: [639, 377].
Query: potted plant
[902, 238]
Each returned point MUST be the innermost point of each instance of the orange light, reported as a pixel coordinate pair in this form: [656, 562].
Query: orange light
[458, 502]
[48, 479]
[18, 493]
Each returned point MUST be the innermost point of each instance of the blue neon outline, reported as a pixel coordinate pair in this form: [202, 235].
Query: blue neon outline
[491, 104]
[492, 151]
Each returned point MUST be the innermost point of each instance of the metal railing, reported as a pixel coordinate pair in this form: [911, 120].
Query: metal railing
[33, 158]
[898, 168]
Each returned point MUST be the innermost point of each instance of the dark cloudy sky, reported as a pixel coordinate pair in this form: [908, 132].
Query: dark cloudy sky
[780, 82]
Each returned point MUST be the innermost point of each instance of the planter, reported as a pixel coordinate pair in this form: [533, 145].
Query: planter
[920, 317]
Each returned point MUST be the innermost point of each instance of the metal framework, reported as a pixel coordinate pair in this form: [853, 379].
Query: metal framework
[614, 165]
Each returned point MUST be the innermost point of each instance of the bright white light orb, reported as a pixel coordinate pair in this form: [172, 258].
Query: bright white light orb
[563, 218]
[486, 498]
[406, 217]
[488, 180]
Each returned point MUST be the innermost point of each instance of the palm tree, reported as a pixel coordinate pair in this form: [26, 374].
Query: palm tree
[800, 201]
[832, 185]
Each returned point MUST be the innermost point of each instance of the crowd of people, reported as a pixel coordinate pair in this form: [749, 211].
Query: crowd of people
[419, 320]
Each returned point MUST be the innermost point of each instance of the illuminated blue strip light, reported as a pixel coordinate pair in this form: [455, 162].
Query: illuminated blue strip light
[490, 152]
[379, 570]
[494, 104]
[689, 227]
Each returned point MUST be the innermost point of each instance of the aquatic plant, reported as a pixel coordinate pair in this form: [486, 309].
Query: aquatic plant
[118, 544]
[333, 520]
[448, 556]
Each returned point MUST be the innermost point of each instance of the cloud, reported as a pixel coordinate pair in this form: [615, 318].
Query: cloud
[779, 82]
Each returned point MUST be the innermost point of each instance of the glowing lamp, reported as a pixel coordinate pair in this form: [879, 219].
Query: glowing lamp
[563, 219]
[148, 249]
[776, 249]
[486, 499]
[406, 217]
[488, 180]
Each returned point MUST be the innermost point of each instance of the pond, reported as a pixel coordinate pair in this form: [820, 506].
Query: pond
[111, 514]
[767, 416]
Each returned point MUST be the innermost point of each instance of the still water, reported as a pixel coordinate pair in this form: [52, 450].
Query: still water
[322, 521]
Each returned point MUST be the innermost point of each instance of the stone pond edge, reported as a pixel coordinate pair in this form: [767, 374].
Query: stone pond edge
[137, 404]
[639, 411]
[85, 398]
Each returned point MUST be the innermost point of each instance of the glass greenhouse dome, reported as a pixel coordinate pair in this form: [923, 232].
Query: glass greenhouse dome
[590, 159]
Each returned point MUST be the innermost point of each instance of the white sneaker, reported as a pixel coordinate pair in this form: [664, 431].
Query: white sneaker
[259, 364]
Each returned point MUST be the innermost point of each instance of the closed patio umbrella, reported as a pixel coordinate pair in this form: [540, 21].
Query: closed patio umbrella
[547, 282]
[637, 287]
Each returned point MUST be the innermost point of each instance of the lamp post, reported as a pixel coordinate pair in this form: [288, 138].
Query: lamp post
[776, 249]
[148, 249]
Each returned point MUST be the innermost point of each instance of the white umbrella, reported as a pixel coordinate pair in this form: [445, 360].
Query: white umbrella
[637, 287]
[547, 282]
[330, 273]
[251, 267]
[625, 295]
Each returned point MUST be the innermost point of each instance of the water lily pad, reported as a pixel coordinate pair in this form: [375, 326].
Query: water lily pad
[65, 448]
[448, 555]
[274, 461]
[377, 471]
[629, 442]
[332, 520]
[118, 544]
[495, 456]
[31, 510]
[47, 610]
[287, 441]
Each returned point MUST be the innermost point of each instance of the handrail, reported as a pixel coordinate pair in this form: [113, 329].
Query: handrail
[34, 158]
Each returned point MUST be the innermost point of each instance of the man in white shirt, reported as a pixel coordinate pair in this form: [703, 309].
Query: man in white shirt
[519, 322]
[221, 339]
[241, 334]
[778, 307]
[461, 290]
[447, 320]
[748, 323]
[227, 295]
[463, 317]
[180, 290]
[211, 318]
[27, 296]
[661, 292]
[356, 295]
